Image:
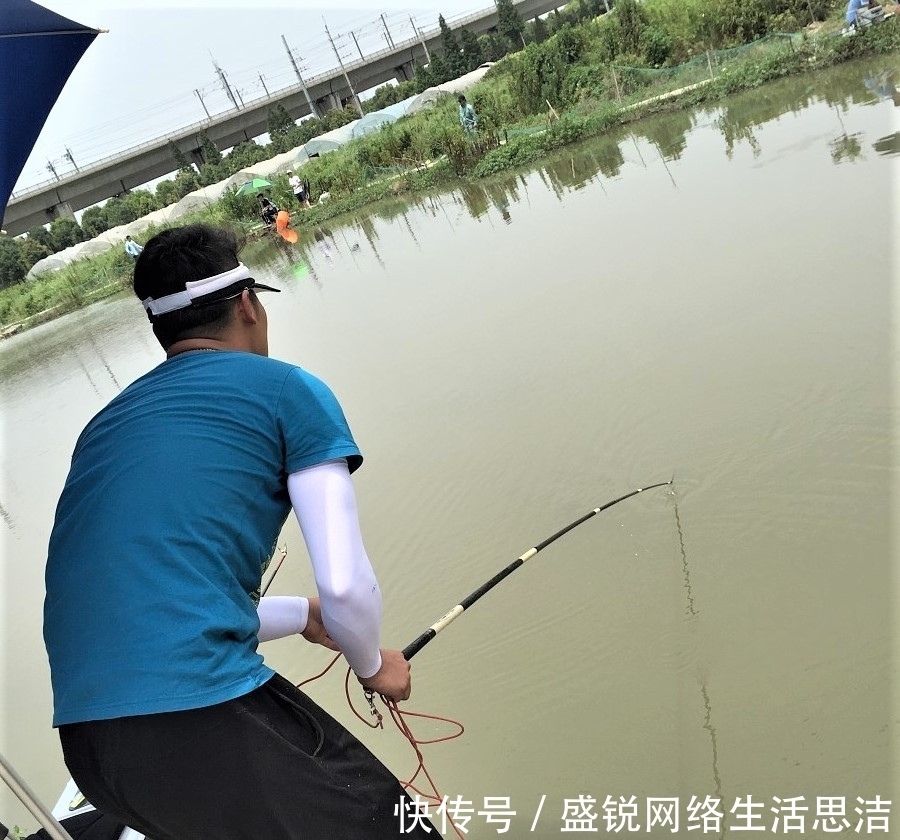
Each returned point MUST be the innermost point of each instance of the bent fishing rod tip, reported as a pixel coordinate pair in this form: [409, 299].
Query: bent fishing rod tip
[653, 486]
[416, 645]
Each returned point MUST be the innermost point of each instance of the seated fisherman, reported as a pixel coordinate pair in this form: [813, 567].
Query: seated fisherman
[268, 211]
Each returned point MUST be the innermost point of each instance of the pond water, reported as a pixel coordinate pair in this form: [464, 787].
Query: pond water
[708, 295]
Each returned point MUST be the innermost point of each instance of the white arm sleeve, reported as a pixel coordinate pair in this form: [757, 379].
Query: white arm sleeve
[281, 615]
[325, 504]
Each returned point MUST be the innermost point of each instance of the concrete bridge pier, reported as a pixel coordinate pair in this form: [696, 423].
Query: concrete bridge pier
[63, 210]
[328, 103]
[405, 71]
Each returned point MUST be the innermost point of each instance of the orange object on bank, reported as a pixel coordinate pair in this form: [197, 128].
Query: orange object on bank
[282, 220]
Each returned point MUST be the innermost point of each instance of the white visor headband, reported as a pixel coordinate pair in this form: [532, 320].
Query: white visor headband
[196, 289]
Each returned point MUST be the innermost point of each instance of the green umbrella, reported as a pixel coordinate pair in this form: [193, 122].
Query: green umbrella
[253, 186]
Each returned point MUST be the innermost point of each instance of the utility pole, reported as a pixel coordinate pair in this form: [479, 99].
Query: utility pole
[337, 55]
[421, 39]
[52, 168]
[238, 93]
[71, 159]
[312, 107]
[200, 97]
[388, 33]
[262, 81]
[225, 86]
[353, 34]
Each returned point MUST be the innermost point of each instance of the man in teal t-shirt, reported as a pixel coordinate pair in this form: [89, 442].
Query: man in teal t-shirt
[467, 117]
[169, 719]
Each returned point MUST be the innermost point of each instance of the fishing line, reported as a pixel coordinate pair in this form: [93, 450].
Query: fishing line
[686, 572]
[283, 551]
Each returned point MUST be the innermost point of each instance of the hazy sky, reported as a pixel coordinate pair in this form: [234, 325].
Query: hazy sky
[137, 81]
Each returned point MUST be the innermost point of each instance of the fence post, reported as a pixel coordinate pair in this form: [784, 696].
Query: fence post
[712, 74]
[616, 83]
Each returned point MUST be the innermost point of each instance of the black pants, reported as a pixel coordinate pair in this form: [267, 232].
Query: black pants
[270, 765]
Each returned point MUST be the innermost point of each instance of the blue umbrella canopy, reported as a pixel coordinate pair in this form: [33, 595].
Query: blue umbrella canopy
[38, 51]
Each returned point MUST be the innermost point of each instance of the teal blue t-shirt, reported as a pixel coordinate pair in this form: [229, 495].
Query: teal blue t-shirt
[173, 504]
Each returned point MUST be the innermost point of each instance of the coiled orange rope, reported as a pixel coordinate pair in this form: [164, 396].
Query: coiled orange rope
[401, 719]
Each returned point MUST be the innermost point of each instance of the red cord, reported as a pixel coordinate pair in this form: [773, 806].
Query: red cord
[400, 719]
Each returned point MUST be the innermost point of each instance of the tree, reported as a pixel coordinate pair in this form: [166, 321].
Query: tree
[12, 267]
[186, 182]
[452, 57]
[245, 154]
[633, 20]
[209, 150]
[555, 22]
[309, 128]
[279, 121]
[179, 157]
[118, 212]
[283, 131]
[42, 235]
[338, 117]
[141, 203]
[32, 251]
[539, 31]
[591, 9]
[423, 78]
[493, 47]
[471, 50]
[64, 233]
[93, 221]
[439, 70]
[166, 193]
[509, 23]
[212, 173]
[388, 95]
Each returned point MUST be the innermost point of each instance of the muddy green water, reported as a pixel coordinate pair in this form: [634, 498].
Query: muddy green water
[709, 294]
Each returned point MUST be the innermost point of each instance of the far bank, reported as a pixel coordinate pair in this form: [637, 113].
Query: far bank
[356, 182]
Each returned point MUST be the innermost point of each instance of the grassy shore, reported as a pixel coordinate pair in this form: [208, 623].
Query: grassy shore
[428, 151]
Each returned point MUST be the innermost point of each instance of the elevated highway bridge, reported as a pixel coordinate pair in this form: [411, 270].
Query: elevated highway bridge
[131, 168]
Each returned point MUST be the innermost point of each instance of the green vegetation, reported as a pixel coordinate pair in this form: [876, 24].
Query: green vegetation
[58, 292]
[580, 74]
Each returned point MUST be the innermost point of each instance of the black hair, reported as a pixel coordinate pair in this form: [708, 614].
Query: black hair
[460, 99]
[178, 256]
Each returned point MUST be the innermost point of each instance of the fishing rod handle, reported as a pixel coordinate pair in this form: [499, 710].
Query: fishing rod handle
[415, 646]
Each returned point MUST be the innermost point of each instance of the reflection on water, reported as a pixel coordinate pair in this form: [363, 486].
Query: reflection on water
[889, 145]
[7, 519]
[714, 749]
[881, 83]
[670, 135]
[672, 297]
[691, 613]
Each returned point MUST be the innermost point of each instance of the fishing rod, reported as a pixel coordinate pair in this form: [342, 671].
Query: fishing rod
[414, 647]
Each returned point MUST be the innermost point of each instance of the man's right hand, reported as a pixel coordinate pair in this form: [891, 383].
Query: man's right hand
[392, 680]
